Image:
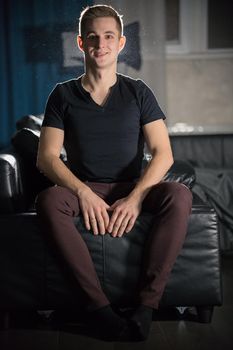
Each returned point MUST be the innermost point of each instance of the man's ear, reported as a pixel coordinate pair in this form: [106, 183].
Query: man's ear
[122, 42]
[80, 42]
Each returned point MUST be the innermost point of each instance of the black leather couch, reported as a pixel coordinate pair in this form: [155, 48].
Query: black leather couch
[34, 277]
[212, 158]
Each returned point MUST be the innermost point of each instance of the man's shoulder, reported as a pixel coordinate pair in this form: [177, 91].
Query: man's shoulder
[68, 83]
[67, 88]
[132, 83]
[128, 80]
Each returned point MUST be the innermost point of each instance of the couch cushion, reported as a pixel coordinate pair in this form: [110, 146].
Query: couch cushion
[33, 273]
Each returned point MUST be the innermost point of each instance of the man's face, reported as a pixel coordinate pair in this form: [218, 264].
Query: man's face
[101, 42]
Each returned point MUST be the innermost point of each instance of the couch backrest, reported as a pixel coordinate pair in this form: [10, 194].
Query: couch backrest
[204, 151]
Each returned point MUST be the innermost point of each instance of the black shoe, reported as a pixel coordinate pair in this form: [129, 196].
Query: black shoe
[141, 322]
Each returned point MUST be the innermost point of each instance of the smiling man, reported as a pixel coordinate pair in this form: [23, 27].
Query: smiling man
[103, 119]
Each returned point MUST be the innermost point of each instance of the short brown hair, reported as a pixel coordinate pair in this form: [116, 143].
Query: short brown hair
[95, 11]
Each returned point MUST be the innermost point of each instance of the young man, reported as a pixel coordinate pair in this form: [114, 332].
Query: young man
[102, 118]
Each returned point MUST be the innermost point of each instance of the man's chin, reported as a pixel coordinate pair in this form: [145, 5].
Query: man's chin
[103, 65]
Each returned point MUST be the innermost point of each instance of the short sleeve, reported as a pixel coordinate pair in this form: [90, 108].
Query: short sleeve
[149, 107]
[53, 115]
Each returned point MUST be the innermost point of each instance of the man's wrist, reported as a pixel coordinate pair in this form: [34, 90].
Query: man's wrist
[81, 189]
[139, 194]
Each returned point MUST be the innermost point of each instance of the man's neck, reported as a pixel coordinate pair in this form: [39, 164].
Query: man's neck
[101, 79]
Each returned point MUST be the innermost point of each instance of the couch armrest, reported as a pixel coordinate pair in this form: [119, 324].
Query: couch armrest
[182, 172]
[20, 182]
[11, 198]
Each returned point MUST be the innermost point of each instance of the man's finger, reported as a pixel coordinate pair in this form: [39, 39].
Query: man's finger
[130, 225]
[106, 219]
[100, 222]
[117, 225]
[112, 221]
[123, 226]
[94, 225]
[86, 221]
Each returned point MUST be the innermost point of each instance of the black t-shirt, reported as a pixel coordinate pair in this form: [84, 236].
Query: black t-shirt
[103, 143]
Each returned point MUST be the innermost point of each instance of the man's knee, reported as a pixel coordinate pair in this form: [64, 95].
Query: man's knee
[50, 199]
[179, 195]
[168, 196]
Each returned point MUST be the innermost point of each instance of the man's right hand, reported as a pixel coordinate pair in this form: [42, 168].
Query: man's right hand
[94, 210]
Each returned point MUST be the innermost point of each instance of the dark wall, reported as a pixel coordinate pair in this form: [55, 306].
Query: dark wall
[31, 60]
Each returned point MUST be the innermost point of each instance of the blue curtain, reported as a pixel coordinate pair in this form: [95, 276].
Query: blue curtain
[31, 55]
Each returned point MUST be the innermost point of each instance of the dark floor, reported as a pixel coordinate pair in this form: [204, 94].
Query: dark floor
[169, 331]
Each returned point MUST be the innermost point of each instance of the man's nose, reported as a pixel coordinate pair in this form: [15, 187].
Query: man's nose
[100, 42]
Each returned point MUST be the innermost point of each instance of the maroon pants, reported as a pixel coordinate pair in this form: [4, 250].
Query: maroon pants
[170, 203]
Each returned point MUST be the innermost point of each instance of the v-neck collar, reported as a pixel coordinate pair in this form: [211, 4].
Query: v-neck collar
[88, 95]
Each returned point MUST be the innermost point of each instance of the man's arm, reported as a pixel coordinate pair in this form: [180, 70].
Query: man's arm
[126, 210]
[94, 209]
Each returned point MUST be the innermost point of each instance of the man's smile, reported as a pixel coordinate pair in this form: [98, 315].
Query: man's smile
[100, 54]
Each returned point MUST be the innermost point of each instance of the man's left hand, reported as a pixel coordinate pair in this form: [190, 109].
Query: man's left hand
[125, 213]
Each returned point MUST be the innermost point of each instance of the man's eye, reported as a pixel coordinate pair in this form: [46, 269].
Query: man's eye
[109, 36]
[92, 37]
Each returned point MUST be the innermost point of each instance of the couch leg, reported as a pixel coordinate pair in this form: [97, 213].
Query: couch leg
[205, 313]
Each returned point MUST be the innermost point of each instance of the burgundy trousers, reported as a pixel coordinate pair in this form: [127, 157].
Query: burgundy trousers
[169, 202]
